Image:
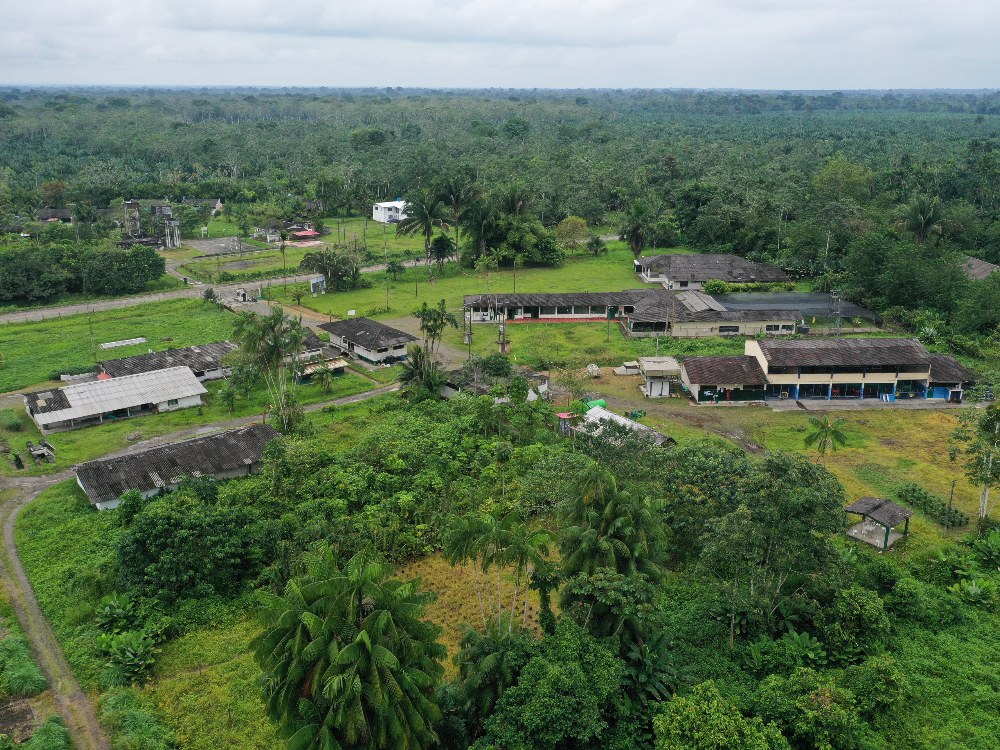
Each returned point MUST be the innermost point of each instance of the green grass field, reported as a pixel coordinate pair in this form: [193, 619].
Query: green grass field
[611, 272]
[89, 443]
[34, 351]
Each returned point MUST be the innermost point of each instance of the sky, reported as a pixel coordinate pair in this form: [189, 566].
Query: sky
[757, 44]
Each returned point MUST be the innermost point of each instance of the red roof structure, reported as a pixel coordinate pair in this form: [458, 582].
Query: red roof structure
[306, 233]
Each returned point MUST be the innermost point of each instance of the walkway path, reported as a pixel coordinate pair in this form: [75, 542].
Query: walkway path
[75, 707]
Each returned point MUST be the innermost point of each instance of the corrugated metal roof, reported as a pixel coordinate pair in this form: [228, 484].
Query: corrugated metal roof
[723, 371]
[369, 334]
[200, 358]
[97, 397]
[844, 352]
[700, 267]
[108, 479]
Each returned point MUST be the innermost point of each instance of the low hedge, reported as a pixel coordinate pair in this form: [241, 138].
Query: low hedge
[937, 509]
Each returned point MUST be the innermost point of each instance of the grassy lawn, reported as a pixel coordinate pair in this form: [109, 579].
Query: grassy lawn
[381, 375]
[579, 344]
[611, 272]
[37, 350]
[87, 443]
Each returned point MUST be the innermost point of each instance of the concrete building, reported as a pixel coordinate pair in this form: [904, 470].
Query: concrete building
[659, 373]
[93, 402]
[723, 379]
[691, 270]
[368, 339]
[389, 212]
[639, 312]
[226, 455]
[875, 368]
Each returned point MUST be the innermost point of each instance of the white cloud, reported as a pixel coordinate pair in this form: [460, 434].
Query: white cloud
[545, 43]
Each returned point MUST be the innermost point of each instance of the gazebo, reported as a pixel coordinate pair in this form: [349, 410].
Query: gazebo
[878, 519]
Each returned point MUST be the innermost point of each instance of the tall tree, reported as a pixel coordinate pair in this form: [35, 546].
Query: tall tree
[272, 346]
[348, 662]
[977, 441]
[637, 226]
[424, 212]
[826, 434]
[458, 194]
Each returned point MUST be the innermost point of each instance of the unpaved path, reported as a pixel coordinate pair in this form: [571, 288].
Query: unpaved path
[75, 707]
[72, 703]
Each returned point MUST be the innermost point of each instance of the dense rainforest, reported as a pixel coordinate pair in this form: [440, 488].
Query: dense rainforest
[879, 195]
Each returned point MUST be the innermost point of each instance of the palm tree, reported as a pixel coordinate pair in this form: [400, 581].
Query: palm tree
[923, 217]
[826, 434]
[458, 194]
[394, 268]
[482, 217]
[422, 376]
[325, 378]
[228, 396]
[637, 226]
[607, 528]
[489, 662]
[272, 346]
[512, 199]
[424, 212]
[347, 660]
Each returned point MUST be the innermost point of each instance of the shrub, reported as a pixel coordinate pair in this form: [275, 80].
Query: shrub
[855, 625]
[134, 721]
[19, 675]
[130, 657]
[789, 652]
[10, 421]
[917, 497]
[115, 613]
[878, 684]
[52, 735]
[812, 710]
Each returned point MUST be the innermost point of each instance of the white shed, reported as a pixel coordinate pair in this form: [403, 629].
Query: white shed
[389, 212]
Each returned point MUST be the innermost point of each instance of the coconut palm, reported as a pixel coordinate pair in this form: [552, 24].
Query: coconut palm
[606, 528]
[325, 378]
[424, 212]
[826, 434]
[923, 217]
[394, 268]
[272, 346]
[347, 661]
[458, 194]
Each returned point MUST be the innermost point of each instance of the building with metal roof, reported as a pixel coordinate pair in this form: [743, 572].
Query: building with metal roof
[882, 369]
[691, 270]
[205, 361]
[640, 312]
[93, 402]
[368, 339]
[225, 455]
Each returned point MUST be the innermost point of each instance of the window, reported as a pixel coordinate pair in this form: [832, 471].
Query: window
[598, 310]
[683, 284]
[787, 328]
[548, 310]
[564, 310]
[772, 328]
[729, 329]
[171, 402]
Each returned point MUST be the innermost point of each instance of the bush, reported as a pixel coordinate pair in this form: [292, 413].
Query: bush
[855, 625]
[134, 722]
[917, 497]
[19, 675]
[812, 710]
[10, 421]
[878, 684]
[130, 657]
[115, 613]
[73, 370]
[52, 735]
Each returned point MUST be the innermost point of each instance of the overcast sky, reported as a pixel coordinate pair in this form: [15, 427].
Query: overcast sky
[775, 44]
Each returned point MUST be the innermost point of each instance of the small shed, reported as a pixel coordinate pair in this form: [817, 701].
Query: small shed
[879, 518]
